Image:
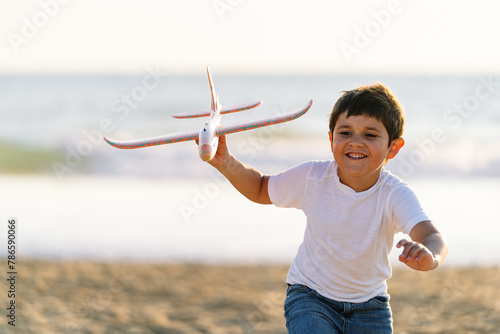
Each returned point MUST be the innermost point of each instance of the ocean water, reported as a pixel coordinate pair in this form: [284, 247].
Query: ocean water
[75, 197]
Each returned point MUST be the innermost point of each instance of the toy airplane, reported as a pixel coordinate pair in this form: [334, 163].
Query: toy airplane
[208, 136]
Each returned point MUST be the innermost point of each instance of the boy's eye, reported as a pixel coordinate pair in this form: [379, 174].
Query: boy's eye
[371, 135]
[344, 133]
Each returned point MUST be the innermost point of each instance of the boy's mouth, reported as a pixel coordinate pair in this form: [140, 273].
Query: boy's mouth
[356, 156]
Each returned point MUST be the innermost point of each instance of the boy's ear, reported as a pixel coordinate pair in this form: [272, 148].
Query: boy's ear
[331, 140]
[396, 145]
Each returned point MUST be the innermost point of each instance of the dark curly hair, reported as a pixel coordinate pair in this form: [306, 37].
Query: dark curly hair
[374, 101]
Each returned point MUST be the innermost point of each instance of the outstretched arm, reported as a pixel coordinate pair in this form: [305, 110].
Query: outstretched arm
[426, 250]
[250, 182]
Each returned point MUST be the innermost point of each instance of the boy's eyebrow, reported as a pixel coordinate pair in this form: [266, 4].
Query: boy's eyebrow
[367, 128]
[373, 129]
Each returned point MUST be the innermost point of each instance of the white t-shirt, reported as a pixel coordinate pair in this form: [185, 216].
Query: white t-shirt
[349, 235]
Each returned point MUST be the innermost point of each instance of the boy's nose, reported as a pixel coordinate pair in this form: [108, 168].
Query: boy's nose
[356, 141]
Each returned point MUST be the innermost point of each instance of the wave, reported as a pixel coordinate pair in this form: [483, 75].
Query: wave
[270, 154]
[56, 120]
[22, 159]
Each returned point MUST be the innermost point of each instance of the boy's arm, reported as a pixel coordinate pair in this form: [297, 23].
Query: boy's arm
[426, 250]
[250, 182]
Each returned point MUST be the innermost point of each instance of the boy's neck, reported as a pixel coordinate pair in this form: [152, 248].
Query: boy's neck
[359, 184]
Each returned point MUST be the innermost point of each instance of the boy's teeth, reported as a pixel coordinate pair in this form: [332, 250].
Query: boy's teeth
[356, 156]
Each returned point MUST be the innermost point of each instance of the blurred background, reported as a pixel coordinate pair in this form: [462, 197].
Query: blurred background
[73, 71]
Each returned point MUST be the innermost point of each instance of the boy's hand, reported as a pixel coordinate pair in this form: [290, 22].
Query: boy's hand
[417, 256]
[220, 158]
[221, 155]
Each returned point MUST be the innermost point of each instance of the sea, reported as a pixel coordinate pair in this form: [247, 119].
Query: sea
[74, 197]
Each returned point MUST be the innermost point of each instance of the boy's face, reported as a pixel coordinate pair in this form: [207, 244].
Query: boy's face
[360, 148]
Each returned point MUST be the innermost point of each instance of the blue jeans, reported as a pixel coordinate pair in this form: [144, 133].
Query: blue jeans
[306, 311]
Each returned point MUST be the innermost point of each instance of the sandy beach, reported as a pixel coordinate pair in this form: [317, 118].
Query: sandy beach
[87, 297]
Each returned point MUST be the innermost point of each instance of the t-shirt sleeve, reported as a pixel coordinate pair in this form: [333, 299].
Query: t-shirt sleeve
[287, 188]
[406, 209]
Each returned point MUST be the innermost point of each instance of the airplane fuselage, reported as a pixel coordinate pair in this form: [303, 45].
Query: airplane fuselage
[208, 141]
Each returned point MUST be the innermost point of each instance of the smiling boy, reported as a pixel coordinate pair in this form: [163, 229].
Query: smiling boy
[337, 280]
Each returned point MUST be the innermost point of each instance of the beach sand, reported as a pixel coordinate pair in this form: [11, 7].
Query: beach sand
[87, 297]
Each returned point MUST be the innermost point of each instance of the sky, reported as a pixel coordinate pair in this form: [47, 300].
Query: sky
[243, 36]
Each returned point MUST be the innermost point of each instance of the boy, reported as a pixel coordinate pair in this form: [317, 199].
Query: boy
[337, 281]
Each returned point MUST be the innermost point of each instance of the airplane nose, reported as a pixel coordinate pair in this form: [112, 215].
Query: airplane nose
[205, 152]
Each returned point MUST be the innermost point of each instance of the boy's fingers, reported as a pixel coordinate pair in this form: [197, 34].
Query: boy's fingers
[414, 251]
[415, 255]
[410, 250]
[222, 139]
[407, 246]
[402, 243]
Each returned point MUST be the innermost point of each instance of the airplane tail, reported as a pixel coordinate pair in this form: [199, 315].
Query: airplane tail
[216, 105]
[204, 113]
[215, 97]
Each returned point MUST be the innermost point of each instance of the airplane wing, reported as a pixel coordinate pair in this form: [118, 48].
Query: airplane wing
[167, 139]
[261, 122]
[227, 110]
